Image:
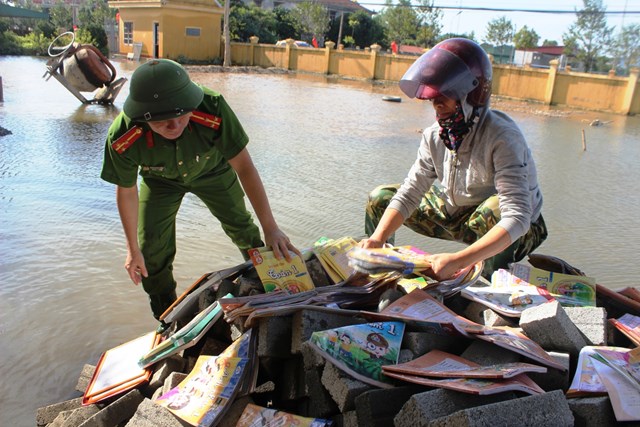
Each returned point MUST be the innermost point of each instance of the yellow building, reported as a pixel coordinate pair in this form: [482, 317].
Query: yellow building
[189, 29]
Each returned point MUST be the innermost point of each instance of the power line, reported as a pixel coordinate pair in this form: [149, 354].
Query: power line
[499, 9]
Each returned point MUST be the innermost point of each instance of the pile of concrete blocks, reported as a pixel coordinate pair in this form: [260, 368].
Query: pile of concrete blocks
[293, 377]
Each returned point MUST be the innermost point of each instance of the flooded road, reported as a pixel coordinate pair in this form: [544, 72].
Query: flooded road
[320, 146]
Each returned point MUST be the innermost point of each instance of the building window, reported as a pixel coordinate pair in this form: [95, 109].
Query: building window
[128, 33]
[193, 32]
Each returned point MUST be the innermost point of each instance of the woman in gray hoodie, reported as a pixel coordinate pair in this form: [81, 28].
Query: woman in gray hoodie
[474, 180]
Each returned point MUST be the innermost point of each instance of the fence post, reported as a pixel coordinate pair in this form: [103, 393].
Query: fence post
[375, 48]
[551, 81]
[254, 41]
[288, 53]
[632, 84]
[328, 47]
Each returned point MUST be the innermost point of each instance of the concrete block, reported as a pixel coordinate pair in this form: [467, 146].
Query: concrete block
[274, 337]
[212, 346]
[320, 402]
[485, 354]
[318, 276]
[310, 357]
[405, 356]
[150, 414]
[348, 419]
[47, 414]
[85, 378]
[342, 387]
[420, 343]
[117, 412]
[549, 325]
[378, 408]
[592, 323]
[475, 312]
[423, 408]
[542, 410]
[555, 379]
[290, 384]
[492, 319]
[593, 412]
[172, 381]
[307, 321]
[162, 371]
[75, 417]
[231, 417]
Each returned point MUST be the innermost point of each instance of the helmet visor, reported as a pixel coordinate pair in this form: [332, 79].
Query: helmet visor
[438, 72]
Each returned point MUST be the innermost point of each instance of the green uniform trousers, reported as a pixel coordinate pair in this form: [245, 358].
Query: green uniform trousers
[159, 203]
[467, 226]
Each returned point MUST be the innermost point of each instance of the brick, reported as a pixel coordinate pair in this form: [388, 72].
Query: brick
[232, 415]
[47, 414]
[85, 378]
[150, 414]
[172, 381]
[311, 358]
[117, 412]
[342, 387]
[593, 412]
[320, 402]
[420, 343]
[591, 322]
[274, 337]
[555, 379]
[317, 273]
[307, 321]
[423, 408]
[475, 312]
[485, 354]
[493, 319]
[75, 417]
[290, 384]
[162, 371]
[549, 325]
[377, 408]
[542, 410]
[348, 419]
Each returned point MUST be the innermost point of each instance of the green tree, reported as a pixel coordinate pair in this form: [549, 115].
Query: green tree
[285, 24]
[401, 21]
[430, 24]
[364, 29]
[499, 33]
[549, 43]
[525, 38]
[61, 18]
[470, 36]
[587, 38]
[96, 13]
[626, 48]
[312, 19]
[247, 21]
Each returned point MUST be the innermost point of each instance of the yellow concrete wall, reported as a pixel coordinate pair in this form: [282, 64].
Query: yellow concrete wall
[522, 83]
[589, 91]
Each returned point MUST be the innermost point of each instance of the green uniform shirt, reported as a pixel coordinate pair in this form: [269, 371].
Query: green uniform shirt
[198, 151]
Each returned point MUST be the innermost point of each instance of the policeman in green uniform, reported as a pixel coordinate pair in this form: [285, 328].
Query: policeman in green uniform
[180, 138]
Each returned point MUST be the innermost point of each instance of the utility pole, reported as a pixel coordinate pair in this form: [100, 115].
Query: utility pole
[225, 31]
[340, 29]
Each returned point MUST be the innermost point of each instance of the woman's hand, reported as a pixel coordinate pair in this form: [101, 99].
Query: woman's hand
[280, 244]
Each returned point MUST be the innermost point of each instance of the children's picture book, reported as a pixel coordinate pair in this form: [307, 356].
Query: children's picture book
[625, 362]
[567, 289]
[332, 255]
[586, 381]
[403, 259]
[461, 280]
[438, 363]
[117, 370]
[185, 337]
[259, 416]
[361, 350]
[629, 325]
[203, 397]
[475, 385]
[280, 274]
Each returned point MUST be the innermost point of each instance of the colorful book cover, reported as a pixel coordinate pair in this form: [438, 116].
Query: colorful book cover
[362, 350]
[629, 325]
[569, 290]
[258, 416]
[404, 259]
[280, 274]
[438, 363]
[623, 394]
[332, 255]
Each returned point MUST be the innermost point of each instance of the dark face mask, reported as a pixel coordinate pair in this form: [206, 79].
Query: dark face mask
[454, 128]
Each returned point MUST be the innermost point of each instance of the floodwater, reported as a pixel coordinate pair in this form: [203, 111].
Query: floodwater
[320, 146]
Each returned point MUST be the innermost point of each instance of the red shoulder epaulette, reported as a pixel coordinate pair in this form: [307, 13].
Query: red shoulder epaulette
[127, 139]
[205, 119]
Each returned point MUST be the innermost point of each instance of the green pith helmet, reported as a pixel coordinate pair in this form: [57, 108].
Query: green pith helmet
[160, 90]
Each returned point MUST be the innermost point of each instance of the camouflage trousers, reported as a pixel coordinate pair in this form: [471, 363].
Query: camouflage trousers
[466, 226]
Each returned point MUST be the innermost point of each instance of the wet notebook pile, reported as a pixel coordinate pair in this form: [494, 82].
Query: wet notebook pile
[350, 337]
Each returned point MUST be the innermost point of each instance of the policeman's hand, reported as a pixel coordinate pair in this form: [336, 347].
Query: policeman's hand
[280, 244]
[370, 243]
[444, 266]
[135, 267]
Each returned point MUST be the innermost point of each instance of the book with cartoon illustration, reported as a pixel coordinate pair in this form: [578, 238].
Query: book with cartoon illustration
[622, 387]
[438, 363]
[403, 259]
[203, 397]
[279, 274]
[361, 350]
[259, 416]
[629, 325]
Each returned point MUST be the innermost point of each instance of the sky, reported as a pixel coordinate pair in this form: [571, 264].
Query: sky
[549, 26]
